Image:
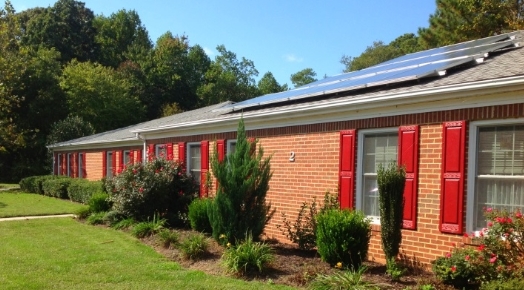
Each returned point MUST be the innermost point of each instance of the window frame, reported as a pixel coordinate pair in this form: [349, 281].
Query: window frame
[472, 164]
[360, 165]
[159, 148]
[80, 165]
[109, 160]
[189, 170]
[126, 154]
[229, 145]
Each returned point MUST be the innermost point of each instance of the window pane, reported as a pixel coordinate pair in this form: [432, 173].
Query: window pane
[109, 164]
[194, 161]
[80, 165]
[378, 149]
[500, 170]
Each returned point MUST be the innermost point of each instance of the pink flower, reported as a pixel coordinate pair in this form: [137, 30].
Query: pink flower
[466, 258]
[492, 260]
[448, 255]
[490, 224]
[140, 190]
[489, 209]
[518, 215]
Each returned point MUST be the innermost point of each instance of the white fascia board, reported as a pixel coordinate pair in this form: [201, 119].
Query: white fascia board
[101, 144]
[457, 96]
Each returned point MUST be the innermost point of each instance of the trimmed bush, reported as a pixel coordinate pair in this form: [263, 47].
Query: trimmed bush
[198, 217]
[99, 202]
[80, 190]
[159, 186]
[56, 187]
[343, 236]
[33, 184]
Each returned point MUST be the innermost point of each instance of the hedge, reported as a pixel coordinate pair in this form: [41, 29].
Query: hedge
[81, 190]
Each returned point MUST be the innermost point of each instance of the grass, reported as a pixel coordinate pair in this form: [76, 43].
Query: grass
[66, 254]
[28, 204]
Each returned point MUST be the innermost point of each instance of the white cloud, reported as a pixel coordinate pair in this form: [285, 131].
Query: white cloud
[209, 51]
[292, 58]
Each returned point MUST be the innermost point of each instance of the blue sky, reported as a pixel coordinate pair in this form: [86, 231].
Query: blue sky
[283, 37]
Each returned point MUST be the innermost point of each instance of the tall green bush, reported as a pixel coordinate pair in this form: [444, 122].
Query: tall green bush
[240, 205]
[159, 186]
[343, 237]
[391, 181]
[198, 217]
[56, 187]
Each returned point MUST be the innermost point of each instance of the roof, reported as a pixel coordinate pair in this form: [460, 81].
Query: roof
[126, 133]
[506, 63]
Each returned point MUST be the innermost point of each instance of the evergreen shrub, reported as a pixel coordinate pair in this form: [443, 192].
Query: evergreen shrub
[80, 190]
[198, 217]
[33, 184]
[343, 237]
[99, 202]
[56, 187]
[158, 186]
[240, 205]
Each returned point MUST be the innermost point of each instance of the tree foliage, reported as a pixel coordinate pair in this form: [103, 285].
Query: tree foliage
[240, 206]
[269, 85]
[461, 20]
[303, 77]
[69, 128]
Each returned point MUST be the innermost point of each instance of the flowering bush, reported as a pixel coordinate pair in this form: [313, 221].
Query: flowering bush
[499, 253]
[159, 186]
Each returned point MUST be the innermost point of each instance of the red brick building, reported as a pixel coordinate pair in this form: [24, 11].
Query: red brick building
[453, 116]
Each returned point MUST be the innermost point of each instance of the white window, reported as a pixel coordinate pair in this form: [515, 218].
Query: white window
[109, 164]
[231, 146]
[495, 169]
[160, 151]
[194, 160]
[375, 147]
[126, 158]
[80, 165]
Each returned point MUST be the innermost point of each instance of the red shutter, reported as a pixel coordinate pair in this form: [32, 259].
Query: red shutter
[84, 171]
[452, 186]
[408, 157]
[104, 163]
[150, 152]
[204, 167]
[169, 151]
[221, 149]
[139, 157]
[122, 161]
[132, 156]
[347, 168]
[113, 162]
[182, 153]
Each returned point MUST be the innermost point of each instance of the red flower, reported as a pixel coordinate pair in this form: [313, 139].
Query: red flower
[140, 190]
[490, 224]
[466, 258]
[453, 269]
[518, 215]
[466, 235]
[481, 247]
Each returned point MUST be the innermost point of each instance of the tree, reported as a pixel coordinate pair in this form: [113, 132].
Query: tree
[67, 26]
[100, 96]
[70, 128]
[117, 34]
[269, 85]
[240, 206]
[380, 52]
[456, 21]
[228, 79]
[303, 77]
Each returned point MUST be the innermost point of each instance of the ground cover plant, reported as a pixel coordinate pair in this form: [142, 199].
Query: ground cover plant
[66, 254]
[26, 204]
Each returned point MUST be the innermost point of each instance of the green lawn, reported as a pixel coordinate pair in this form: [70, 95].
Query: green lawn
[62, 253]
[27, 204]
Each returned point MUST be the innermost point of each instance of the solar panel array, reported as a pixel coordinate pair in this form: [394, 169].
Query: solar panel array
[433, 62]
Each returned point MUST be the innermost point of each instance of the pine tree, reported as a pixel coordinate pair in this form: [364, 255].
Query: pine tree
[240, 206]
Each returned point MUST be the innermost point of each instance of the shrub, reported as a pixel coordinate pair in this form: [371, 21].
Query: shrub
[80, 190]
[302, 231]
[99, 202]
[511, 284]
[247, 256]
[56, 187]
[240, 203]
[167, 237]
[457, 267]
[198, 215]
[33, 184]
[83, 212]
[159, 186]
[350, 279]
[96, 218]
[194, 246]
[144, 229]
[343, 236]
[391, 181]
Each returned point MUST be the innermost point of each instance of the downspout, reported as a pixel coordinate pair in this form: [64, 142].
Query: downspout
[144, 146]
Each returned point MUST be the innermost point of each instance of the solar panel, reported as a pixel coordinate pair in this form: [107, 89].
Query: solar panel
[409, 67]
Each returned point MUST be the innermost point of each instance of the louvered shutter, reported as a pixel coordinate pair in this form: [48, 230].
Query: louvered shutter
[104, 163]
[182, 153]
[84, 171]
[347, 168]
[221, 149]
[204, 167]
[408, 157]
[139, 156]
[452, 186]
[75, 165]
[169, 151]
[150, 151]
